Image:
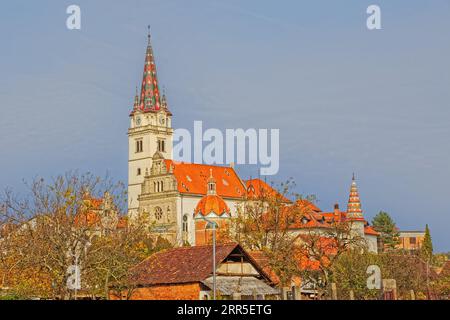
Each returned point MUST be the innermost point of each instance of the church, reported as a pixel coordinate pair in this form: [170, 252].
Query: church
[179, 197]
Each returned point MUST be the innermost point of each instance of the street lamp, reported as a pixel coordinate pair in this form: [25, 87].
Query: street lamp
[213, 225]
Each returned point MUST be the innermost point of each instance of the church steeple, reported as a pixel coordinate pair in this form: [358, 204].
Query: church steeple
[354, 210]
[150, 99]
[145, 135]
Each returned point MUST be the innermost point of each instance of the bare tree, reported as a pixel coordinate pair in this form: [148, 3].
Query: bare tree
[263, 224]
[321, 248]
[73, 220]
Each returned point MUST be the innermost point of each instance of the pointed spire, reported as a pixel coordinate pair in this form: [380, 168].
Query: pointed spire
[164, 100]
[136, 100]
[211, 184]
[150, 96]
[354, 209]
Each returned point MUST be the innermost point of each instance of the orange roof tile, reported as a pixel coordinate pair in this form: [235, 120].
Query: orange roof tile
[308, 204]
[211, 204]
[87, 219]
[263, 262]
[192, 179]
[370, 231]
[256, 189]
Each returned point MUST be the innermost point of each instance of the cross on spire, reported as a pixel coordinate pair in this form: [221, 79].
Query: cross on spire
[150, 98]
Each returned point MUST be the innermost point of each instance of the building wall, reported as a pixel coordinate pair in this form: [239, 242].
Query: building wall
[149, 131]
[372, 243]
[411, 240]
[186, 205]
[175, 207]
[204, 236]
[190, 291]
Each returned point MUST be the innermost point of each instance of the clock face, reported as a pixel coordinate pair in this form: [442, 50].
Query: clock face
[138, 121]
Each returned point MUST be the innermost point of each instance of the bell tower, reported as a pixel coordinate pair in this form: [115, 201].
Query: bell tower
[150, 130]
[354, 210]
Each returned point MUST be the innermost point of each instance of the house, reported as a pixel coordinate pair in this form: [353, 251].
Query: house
[185, 273]
[410, 240]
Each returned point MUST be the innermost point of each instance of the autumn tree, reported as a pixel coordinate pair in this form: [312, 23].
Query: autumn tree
[349, 273]
[72, 220]
[262, 224]
[409, 272]
[321, 248]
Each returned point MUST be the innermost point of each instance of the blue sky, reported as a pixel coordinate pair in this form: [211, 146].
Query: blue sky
[346, 99]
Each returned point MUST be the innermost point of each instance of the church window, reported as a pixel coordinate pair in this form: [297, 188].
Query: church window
[161, 145]
[139, 146]
[158, 213]
[139, 171]
[185, 223]
[162, 186]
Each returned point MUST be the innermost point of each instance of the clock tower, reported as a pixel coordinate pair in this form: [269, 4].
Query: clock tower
[150, 130]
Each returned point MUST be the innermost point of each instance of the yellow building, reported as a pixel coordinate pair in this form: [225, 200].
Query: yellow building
[411, 240]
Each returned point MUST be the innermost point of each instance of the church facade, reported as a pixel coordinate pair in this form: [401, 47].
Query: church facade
[179, 198]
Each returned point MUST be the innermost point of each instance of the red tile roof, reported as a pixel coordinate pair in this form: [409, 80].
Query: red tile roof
[88, 216]
[257, 189]
[308, 204]
[180, 265]
[211, 204]
[192, 179]
[262, 260]
[370, 231]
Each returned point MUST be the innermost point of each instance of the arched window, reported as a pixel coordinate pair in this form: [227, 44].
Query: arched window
[185, 223]
[158, 213]
[162, 186]
[159, 188]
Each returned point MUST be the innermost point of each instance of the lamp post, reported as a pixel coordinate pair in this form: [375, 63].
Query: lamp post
[212, 225]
